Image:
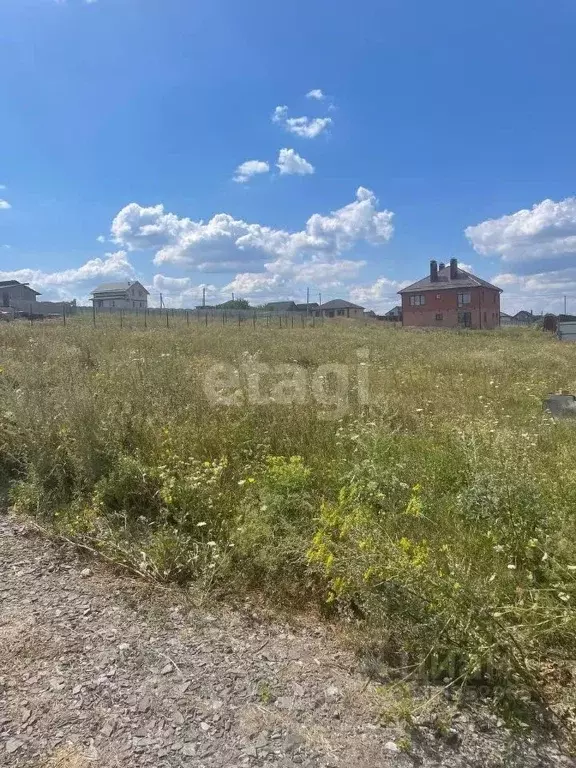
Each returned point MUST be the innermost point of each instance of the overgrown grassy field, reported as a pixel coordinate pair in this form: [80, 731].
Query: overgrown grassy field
[440, 515]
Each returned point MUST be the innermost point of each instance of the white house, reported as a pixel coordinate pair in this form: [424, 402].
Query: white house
[126, 295]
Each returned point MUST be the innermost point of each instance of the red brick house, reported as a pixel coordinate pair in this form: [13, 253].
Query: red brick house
[449, 297]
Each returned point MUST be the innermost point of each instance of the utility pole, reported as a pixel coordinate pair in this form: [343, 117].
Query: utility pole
[204, 296]
[161, 302]
[565, 306]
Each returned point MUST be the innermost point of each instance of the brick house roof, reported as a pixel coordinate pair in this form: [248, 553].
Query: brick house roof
[464, 280]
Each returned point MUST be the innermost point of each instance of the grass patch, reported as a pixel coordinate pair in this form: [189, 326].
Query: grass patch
[439, 517]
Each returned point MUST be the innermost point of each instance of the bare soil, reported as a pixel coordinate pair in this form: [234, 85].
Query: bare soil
[97, 668]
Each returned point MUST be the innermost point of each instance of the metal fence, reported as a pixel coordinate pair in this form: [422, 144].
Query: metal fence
[567, 331]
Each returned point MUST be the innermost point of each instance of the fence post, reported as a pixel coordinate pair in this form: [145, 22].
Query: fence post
[206, 318]
[121, 318]
[64, 314]
[167, 319]
[145, 317]
[239, 319]
[94, 313]
[187, 318]
[254, 320]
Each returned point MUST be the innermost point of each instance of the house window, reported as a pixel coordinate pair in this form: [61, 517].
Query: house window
[439, 316]
[465, 319]
[340, 313]
[464, 298]
[417, 300]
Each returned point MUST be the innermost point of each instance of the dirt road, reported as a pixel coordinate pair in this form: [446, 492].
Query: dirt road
[100, 669]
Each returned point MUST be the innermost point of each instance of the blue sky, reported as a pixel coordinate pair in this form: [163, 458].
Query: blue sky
[407, 130]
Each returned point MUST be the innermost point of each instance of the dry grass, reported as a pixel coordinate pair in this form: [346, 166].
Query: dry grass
[442, 513]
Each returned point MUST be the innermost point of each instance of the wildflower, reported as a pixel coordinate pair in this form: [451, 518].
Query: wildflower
[200, 525]
[511, 567]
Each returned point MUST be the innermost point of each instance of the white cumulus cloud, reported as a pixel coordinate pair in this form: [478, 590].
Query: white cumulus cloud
[4, 205]
[66, 282]
[317, 94]
[224, 243]
[284, 278]
[546, 230]
[305, 127]
[381, 295]
[541, 292]
[113, 265]
[181, 292]
[250, 168]
[290, 162]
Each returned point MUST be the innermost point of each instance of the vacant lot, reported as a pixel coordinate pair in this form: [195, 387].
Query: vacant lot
[408, 481]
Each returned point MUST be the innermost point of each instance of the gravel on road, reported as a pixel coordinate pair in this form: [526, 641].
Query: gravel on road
[100, 669]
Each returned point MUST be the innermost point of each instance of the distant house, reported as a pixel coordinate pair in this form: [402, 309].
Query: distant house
[13, 291]
[281, 306]
[505, 319]
[312, 306]
[450, 297]
[341, 308]
[524, 317]
[394, 314]
[126, 295]
[19, 298]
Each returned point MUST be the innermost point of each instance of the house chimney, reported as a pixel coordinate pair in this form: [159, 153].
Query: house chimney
[441, 265]
[433, 271]
[453, 269]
